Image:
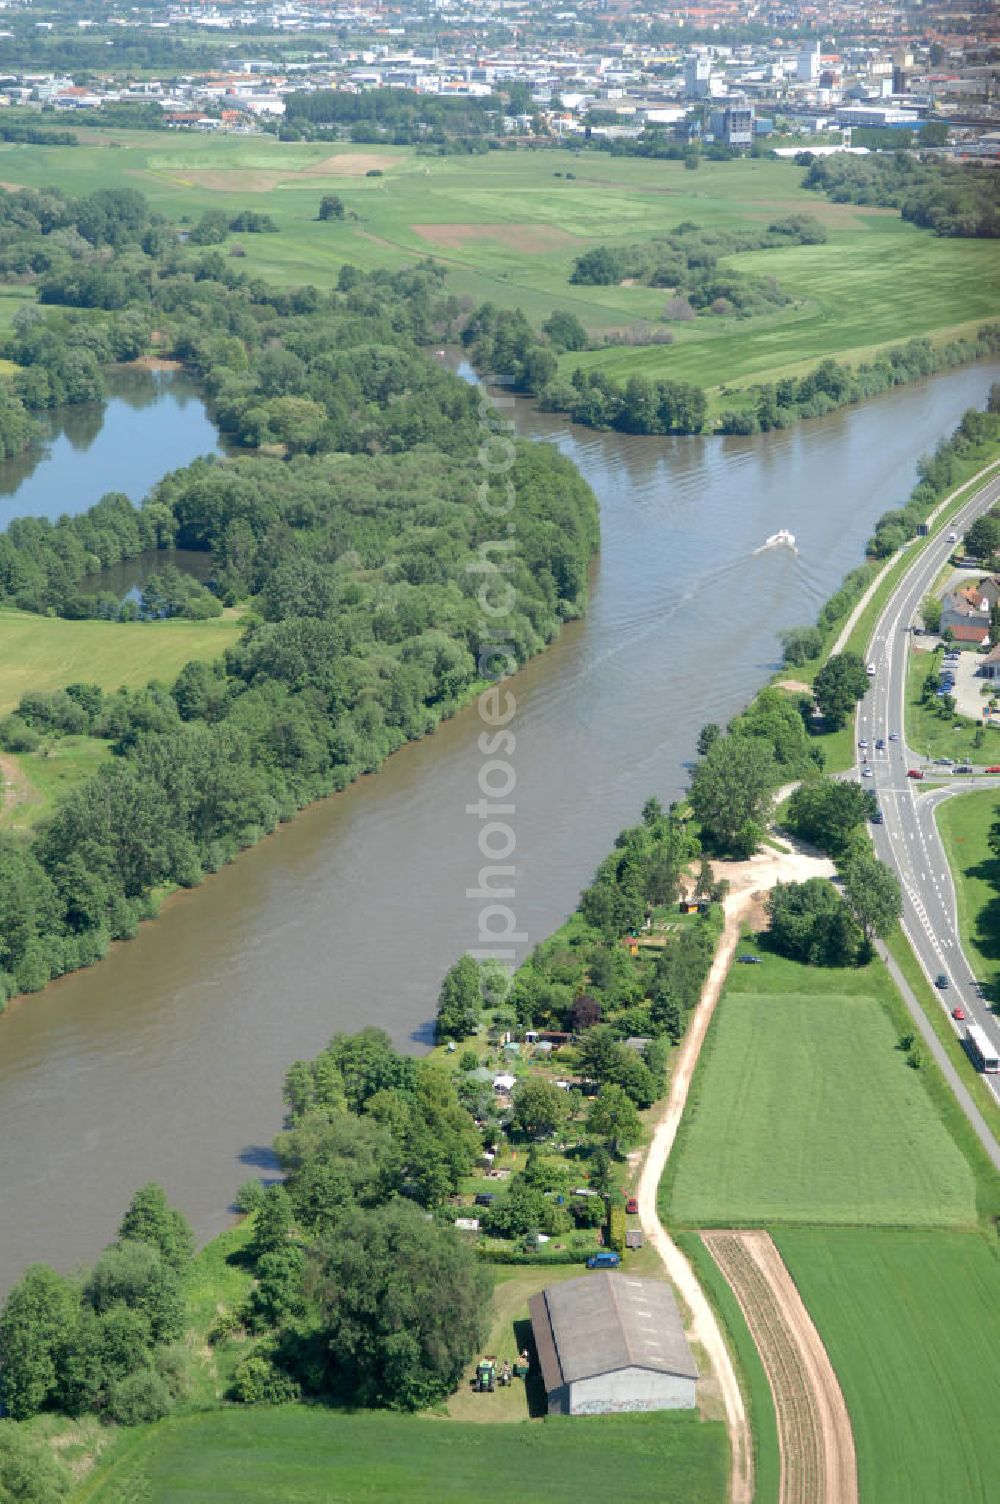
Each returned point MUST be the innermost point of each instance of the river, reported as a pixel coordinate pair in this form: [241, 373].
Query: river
[166, 1061]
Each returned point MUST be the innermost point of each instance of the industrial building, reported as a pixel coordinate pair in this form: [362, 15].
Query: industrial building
[608, 1342]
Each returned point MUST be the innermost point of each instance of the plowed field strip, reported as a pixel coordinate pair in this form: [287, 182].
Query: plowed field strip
[815, 1440]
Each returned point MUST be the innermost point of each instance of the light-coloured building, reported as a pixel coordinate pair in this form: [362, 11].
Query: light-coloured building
[697, 75]
[609, 1343]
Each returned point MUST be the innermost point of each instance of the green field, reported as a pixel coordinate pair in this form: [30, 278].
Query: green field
[803, 1110]
[509, 230]
[964, 823]
[315, 1456]
[46, 653]
[910, 1322]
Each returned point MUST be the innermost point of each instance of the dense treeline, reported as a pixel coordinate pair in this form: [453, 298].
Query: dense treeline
[831, 384]
[946, 197]
[104, 1341]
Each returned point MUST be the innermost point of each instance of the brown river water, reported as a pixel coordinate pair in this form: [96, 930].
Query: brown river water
[166, 1061]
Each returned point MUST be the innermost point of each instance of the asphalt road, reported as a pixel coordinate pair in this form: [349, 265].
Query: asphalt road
[908, 838]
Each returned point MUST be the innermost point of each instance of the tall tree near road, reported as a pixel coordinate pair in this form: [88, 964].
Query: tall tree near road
[839, 685]
[872, 894]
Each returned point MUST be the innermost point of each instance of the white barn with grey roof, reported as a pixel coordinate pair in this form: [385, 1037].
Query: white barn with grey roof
[608, 1342]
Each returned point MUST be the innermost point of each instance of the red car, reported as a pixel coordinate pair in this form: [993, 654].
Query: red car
[993, 770]
[632, 1206]
[958, 1014]
[914, 773]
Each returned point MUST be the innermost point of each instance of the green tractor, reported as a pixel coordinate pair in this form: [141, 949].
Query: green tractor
[486, 1376]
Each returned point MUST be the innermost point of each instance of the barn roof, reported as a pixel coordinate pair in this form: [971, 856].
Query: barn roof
[606, 1321]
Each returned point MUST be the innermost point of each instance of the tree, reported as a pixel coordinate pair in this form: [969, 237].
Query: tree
[707, 738]
[401, 1306]
[731, 792]
[540, 1107]
[799, 644]
[839, 685]
[585, 1012]
[829, 811]
[459, 1001]
[811, 923]
[150, 1219]
[982, 538]
[565, 329]
[39, 1313]
[930, 611]
[872, 893]
[135, 1275]
[613, 1117]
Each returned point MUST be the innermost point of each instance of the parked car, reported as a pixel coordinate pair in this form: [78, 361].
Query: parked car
[942, 982]
[867, 772]
[871, 671]
[963, 767]
[894, 736]
[749, 960]
[605, 1258]
[995, 769]
[944, 762]
[485, 1198]
[877, 817]
[632, 1206]
[914, 773]
[862, 743]
[958, 1014]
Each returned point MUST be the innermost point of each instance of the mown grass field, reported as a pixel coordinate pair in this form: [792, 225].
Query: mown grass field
[910, 1321]
[803, 1110]
[964, 823]
[46, 653]
[508, 230]
[315, 1456]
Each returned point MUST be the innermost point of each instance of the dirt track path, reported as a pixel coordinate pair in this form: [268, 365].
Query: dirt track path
[16, 787]
[748, 882]
[815, 1440]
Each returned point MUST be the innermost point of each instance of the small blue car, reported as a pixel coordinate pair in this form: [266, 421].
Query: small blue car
[605, 1258]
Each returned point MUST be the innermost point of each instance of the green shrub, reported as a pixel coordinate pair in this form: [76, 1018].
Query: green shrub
[256, 1381]
[138, 1397]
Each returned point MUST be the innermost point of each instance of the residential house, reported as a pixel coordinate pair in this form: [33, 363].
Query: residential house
[965, 613]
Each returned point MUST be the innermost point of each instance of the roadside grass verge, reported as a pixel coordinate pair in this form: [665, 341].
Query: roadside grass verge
[935, 735]
[803, 1110]
[964, 823]
[909, 1320]
[47, 653]
[750, 1370]
[316, 1456]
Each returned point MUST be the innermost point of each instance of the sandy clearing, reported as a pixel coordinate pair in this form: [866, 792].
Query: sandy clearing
[815, 1440]
[795, 686]
[748, 881]
[16, 787]
[514, 237]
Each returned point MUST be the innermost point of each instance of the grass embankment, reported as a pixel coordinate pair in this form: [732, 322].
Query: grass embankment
[317, 1456]
[964, 823]
[909, 1321]
[509, 230]
[804, 1110]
